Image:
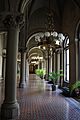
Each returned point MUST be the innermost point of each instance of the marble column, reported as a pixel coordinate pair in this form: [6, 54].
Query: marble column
[61, 67]
[58, 66]
[10, 106]
[3, 67]
[53, 61]
[42, 66]
[22, 83]
[27, 71]
[50, 62]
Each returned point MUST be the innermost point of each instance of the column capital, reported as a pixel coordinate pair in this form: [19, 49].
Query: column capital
[13, 20]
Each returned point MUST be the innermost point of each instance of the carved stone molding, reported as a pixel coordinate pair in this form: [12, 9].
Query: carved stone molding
[13, 20]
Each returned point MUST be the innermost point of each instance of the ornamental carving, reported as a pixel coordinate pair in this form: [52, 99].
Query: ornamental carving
[13, 20]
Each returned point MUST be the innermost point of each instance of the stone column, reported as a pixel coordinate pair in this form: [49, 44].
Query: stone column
[58, 66]
[22, 83]
[50, 62]
[27, 71]
[42, 67]
[54, 61]
[61, 67]
[10, 107]
[3, 67]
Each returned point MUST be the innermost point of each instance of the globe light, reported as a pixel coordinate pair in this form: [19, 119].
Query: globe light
[61, 37]
[47, 34]
[55, 34]
[44, 47]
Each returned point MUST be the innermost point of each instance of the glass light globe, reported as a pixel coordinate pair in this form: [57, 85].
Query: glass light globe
[44, 47]
[47, 34]
[55, 34]
[61, 36]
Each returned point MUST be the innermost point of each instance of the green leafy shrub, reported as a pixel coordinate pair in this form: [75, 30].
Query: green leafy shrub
[40, 72]
[75, 89]
[53, 76]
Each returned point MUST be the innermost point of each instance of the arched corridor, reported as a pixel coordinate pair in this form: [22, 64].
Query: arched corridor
[39, 50]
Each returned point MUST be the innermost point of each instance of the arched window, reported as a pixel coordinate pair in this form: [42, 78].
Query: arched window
[66, 59]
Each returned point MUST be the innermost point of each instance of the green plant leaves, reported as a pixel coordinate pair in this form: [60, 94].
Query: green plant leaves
[75, 85]
[40, 72]
[53, 76]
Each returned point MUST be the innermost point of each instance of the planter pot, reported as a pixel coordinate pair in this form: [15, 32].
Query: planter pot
[50, 87]
[53, 87]
[50, 82]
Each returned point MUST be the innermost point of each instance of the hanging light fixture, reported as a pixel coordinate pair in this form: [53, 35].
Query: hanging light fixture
[50, 38]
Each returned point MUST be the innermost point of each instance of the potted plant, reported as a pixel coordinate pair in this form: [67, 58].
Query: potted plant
[40, 73]
[75, 89]
[53, 77]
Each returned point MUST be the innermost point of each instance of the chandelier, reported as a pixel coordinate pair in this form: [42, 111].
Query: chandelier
[50, 38]
[36, 59]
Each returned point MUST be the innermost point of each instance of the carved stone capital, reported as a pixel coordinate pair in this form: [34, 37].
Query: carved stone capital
[13, 20]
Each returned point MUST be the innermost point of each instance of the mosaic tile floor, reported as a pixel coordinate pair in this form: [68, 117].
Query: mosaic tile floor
[39, 104]
[36, 103]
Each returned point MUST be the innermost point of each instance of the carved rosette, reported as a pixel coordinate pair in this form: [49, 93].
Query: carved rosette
[13, 20]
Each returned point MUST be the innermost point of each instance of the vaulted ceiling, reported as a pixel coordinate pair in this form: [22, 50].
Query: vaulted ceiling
[35, 12]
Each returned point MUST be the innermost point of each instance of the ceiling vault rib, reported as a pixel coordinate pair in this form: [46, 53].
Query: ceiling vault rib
[76, 2]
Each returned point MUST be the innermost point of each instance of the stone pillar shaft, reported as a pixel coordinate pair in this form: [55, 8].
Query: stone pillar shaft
[50, 63]
[11, 66]
[27, 71]
[10, 103]
[10, 107]
[22, 83]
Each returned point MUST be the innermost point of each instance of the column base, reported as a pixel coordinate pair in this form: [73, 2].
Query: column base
[22, 85]
[10, 111]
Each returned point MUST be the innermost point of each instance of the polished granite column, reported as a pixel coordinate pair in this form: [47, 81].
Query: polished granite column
[10, 106]
[22, 83]
[3, 66]
[50, 62]
[27, 71]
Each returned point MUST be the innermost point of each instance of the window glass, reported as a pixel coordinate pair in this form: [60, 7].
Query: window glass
[66, 60]
[68, 56]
